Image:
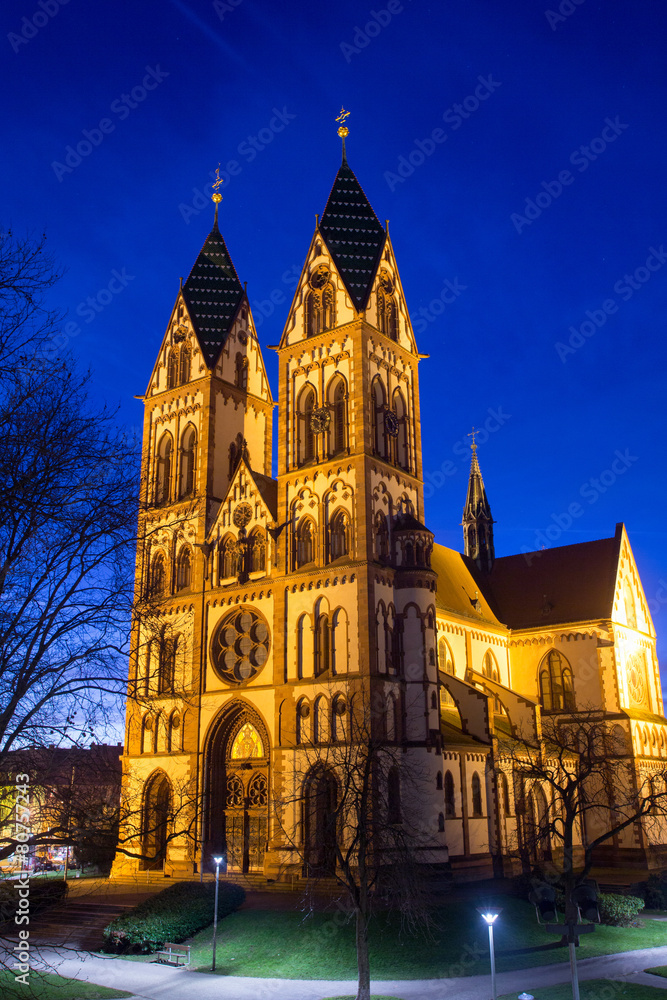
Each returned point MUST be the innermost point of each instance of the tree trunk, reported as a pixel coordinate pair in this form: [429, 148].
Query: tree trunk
[363, 965]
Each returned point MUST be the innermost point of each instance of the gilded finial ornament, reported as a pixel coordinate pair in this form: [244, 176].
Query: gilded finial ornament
[472, 435]
[343, 130]
[216, 196]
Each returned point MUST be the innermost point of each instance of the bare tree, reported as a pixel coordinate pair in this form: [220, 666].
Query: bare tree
[579, 791]
[348, 811]
[68, 507]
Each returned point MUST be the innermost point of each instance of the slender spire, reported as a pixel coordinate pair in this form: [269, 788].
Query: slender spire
[477, 520]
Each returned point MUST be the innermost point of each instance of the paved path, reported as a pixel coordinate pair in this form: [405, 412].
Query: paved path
[150, 981]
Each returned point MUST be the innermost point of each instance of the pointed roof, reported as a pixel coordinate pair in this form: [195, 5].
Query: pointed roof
[353, 234]
[476, 504]
[213, 294]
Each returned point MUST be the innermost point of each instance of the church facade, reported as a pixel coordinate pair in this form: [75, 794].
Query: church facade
[268, 604]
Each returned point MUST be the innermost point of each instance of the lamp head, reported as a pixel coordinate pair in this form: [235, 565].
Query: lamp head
[218, 861]
[489, 914]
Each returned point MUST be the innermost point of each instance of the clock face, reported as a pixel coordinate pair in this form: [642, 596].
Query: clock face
[391, 423]
[320, 420]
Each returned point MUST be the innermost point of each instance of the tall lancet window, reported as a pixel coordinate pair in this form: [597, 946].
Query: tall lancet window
[163, 470]
[320, 311]
[386, 306]
[305, 432]
[188, 452]
[184, 368]
[337, 405]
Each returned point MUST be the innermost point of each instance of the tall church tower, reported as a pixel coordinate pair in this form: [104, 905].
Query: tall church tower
[277, 608]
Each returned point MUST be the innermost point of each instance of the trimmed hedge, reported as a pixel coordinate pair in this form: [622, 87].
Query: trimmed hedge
[43, 892]
[174, 914]
[619, 911]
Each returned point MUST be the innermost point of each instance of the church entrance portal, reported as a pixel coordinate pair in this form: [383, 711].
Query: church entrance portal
[239, 792]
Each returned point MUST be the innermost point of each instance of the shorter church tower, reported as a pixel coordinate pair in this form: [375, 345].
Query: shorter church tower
[477, 520]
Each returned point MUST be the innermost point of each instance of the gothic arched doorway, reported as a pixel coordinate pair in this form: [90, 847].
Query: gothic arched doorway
[238, 790]
[320, 820]
[155, 825]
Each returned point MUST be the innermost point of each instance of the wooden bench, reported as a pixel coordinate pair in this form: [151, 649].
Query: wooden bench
[174, 954]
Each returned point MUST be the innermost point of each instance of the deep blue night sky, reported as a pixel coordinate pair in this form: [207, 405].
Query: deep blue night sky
[569, 114]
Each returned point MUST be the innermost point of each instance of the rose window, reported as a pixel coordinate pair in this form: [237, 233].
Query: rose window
[240, 646]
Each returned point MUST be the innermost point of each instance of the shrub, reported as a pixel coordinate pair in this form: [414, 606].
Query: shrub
[43, 892]
[618, 911]
[174, 914]
[653, 892]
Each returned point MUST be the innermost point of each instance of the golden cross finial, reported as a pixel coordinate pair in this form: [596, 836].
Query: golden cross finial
[217, 197]
[472, 435]
[343, 130]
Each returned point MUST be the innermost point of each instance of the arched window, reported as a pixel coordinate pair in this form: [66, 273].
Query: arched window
[505, 793]
[184, 569]
[228, 557]
[377, 415]
[301, 632]
[172, 368]
[241, 372]
[320, 310]
[337, 404]
[381, 537]
[338, 710]
[147, 734]
[556, 685]
[322, 645]
[393, 796]
[188, 452]
[630, 607]
[450, 802]
[158, 576]
[184, 372]
[393, 645]
[302, 720]
[257, 546]
[438, 781]
[320, 731]
[174, 741]
[155, 821]
[306, 435]
[163, 472]
[339, 642]
[441, 823]
[434, 700]
[386, 306]
[338, 535]
[476, 795]
[490, 669]
[402, 438]
[446, 665]
[305, 543]
[167, 675]
[390, 718]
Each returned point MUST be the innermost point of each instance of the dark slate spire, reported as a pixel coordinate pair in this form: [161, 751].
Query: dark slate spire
[213, 294]
[477, 520]
[352, 233]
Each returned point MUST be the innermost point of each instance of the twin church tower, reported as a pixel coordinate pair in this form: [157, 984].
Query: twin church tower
[272, 609]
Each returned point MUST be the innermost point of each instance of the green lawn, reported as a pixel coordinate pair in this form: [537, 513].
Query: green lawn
[595, 989]
[658, 970]
[321, 945]
[46, 986]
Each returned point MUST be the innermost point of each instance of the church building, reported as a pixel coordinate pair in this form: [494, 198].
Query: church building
[268, 599]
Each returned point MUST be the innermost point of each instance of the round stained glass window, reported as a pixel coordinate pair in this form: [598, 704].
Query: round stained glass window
[240, 645]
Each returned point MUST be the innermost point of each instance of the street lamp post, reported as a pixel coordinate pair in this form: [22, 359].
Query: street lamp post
[218, 862]
[489, 916]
